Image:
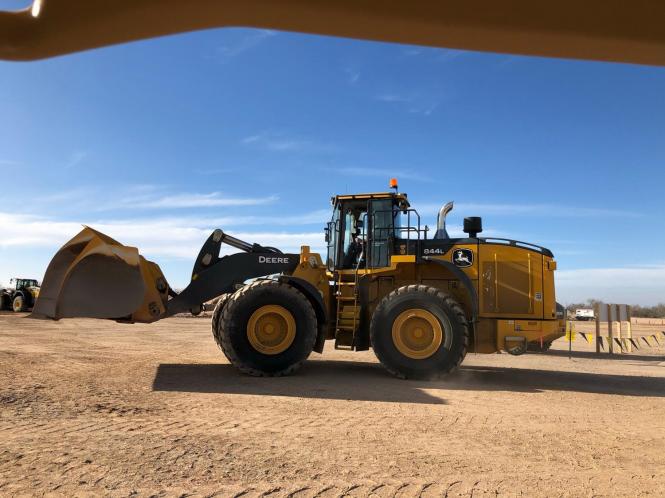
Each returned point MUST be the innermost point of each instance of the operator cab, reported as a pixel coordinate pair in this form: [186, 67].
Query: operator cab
[24, 283]
[363, 229]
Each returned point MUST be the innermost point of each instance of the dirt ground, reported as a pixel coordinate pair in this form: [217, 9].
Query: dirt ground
[96, 408]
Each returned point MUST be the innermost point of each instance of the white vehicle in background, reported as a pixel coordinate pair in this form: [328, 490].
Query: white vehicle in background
[584, 314]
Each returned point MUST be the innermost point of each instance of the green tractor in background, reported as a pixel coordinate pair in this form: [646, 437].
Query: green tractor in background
[20, 297]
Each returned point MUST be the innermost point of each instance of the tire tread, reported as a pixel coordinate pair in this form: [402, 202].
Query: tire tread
[225, 317]
[449, 301]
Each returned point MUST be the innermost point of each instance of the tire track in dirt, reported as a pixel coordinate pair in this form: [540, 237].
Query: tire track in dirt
[99, 423]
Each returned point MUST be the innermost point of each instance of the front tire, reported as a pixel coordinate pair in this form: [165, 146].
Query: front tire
[266, 328]
[419, 332]
[217, 316]
[18, 304]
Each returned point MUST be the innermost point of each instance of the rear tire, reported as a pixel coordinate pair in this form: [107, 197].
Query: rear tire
[18, 304]
[266, 328]
[419, 332]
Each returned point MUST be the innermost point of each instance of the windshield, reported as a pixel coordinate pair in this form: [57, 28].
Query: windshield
[22, 283]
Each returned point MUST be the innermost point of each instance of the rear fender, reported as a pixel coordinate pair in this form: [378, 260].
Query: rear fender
[464, 279]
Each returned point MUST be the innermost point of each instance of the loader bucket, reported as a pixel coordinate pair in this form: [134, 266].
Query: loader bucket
[94, 276]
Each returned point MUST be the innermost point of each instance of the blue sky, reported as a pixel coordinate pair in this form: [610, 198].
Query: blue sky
[158, 142]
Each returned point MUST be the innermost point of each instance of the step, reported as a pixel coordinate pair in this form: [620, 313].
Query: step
[350, 281]
[344, 339]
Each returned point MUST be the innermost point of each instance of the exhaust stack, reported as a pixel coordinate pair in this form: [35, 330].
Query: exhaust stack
[441, 232]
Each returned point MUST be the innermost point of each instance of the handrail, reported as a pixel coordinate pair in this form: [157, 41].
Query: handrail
[516, 243]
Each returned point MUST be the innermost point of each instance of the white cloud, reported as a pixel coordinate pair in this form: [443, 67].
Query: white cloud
[448, 54]
[176, 237]
[33, 231]
[644, 285]
[217, 171]
[352, 76]
[157, 239]
[279, 142]
[75, 158]
[139, 197]
[412, 103]
[393, 97]
[320, 216]
[549, 210]
[425, 110]
[412, 51]
[172, 243]
[438, 54]
[179, 201]
[250, 41]
[384, 173]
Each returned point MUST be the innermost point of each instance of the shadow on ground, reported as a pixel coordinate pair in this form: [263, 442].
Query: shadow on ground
[534, 380]
[604, 355]
[344, 380]
[364, 381]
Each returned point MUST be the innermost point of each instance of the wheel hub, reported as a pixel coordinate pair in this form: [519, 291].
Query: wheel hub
[271, 329]
[417, 333]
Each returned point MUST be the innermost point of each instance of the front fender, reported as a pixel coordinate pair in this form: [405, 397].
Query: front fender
[315, 299]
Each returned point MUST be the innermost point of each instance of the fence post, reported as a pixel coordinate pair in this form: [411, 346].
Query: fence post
[610, 329]
[596, 313]
[629, 327]
[620, 334]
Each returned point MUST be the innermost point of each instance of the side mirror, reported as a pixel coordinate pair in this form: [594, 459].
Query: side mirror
[473, 225]
[326, 232]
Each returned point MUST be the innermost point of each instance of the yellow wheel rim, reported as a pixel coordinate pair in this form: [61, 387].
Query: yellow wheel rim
[18, 304]
[417, 333]
[271, 329]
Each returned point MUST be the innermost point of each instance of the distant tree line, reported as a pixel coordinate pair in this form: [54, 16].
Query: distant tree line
[656, 311]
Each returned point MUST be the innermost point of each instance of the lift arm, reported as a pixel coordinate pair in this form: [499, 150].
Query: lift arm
[95, 276]
[213, 276]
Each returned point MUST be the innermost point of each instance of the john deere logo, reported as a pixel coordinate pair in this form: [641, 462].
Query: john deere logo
[463, 257]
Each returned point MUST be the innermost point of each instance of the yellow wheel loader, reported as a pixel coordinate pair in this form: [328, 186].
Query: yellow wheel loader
[420, 300]
[20, 297]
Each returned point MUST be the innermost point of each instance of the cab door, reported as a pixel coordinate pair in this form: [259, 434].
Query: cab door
[382, 232]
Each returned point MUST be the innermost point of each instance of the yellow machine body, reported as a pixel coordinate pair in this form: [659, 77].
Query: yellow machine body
[499, 293]
[515, 287]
